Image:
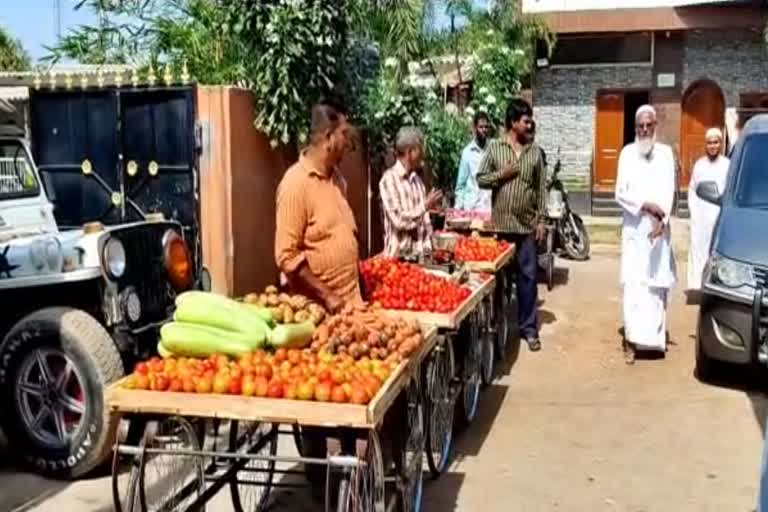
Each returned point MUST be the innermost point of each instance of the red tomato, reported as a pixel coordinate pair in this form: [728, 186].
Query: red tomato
[141, 368]
[275, 389]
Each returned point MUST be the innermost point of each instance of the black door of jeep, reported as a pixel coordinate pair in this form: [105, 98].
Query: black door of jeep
[139, 142]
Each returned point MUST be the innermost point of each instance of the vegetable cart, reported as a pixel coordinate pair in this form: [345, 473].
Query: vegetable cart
[195, 445]
[495, 313]
[501, 312]
[445, 381]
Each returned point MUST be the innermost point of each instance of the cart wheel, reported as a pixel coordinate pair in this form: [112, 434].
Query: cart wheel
[412, 454]
[550, 259]
[170, 481]
[129, 502]
[439, 404]
[550, 273]
[502, 313]
[470, 395]
[362, 487]
[487, 343]
[252, 484]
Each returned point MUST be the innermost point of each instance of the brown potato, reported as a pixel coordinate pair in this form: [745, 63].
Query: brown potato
[272, 300]
[277, 314]
[299, 302]
[263, 300]
[284, 298]
[271, 290]
[301, 316]
[251, 298]
[288, 316]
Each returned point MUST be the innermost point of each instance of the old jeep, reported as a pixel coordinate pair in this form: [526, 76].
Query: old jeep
[79, 307]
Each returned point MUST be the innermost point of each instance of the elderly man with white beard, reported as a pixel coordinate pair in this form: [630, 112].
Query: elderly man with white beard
[645, 189]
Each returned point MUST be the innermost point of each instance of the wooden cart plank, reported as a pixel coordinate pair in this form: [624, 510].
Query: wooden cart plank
[448, 320]
[494, 266]
[277, 410]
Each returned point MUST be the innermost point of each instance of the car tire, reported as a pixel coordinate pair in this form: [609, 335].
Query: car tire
[88, 361]
[707, 369]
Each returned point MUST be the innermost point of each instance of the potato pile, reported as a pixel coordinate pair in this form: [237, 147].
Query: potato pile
[365, 332]
[288, 309]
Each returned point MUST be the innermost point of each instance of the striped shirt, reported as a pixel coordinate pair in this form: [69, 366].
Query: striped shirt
[407, 228]
[314, 224]
[518, 202]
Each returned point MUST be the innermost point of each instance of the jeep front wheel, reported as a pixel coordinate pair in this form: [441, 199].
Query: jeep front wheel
[54, 366]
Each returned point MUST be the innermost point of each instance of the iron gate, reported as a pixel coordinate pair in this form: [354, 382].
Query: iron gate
[138, 143]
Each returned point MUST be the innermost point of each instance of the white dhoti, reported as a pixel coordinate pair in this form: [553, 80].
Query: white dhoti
[645, 316]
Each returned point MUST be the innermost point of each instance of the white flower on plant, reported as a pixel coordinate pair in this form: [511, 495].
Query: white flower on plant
[408, 119]
[490, 99]
[489, 32]
[505, 50]
[379, 115]
[413, 67]
[469, 111]
[487, 67]
[426, 119]
[483, 90]
[518, 51]
[431, 95]
[390, 62]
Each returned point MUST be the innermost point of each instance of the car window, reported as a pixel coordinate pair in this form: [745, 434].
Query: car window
[17, 178]
[752, 184]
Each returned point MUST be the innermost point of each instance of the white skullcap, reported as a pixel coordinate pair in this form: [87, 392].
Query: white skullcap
[714, 132]
[645, 109]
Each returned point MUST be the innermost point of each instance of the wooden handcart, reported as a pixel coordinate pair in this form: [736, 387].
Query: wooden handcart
[195, 445]
[453, 370]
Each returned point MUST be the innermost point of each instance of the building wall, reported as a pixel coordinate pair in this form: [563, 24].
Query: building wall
[736, 60]
[583, 5]
[564, 98]
[564, 108]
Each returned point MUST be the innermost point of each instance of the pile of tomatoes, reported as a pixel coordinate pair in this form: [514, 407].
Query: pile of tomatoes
[397, 285]
[479, 249]
[290, 374]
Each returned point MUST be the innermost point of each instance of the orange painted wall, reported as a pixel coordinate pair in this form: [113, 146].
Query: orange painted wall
[239, 174]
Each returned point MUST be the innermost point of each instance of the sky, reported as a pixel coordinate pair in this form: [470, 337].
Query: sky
[34, 22]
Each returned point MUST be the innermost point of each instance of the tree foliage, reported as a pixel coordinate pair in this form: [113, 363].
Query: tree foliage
[289, 52]
[13, 57]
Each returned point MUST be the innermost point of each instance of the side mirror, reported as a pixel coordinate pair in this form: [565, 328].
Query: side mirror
[707, 190]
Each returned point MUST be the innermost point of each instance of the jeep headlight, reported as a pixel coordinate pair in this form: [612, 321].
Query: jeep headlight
[732, 274]
[114, 258]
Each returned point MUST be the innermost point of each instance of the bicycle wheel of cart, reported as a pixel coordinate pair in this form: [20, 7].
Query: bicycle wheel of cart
[127, 499]
[362, 487]
[412, 451]
[550, 263]
[439, 404]
[501, 313]
[252, 483]
[470, 394]
[488, 344]
[168, 480]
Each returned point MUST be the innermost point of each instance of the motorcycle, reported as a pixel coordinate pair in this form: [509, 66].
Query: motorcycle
[565, 229]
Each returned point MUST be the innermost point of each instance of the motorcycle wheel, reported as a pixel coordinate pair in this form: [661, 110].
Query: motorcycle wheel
[574, 237]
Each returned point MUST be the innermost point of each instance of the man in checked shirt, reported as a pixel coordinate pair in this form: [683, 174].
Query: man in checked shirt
[407, 228]
[513, 168]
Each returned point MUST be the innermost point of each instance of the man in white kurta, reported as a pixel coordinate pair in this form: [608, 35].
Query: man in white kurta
[711, 167]
[645, 189]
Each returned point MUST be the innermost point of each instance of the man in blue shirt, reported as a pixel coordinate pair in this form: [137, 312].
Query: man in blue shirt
[469, 196]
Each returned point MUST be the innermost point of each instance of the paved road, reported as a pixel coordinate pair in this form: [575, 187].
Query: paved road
[571, 428]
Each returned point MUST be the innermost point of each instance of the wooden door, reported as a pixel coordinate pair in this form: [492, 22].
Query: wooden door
[609, 139]
[703, 108]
